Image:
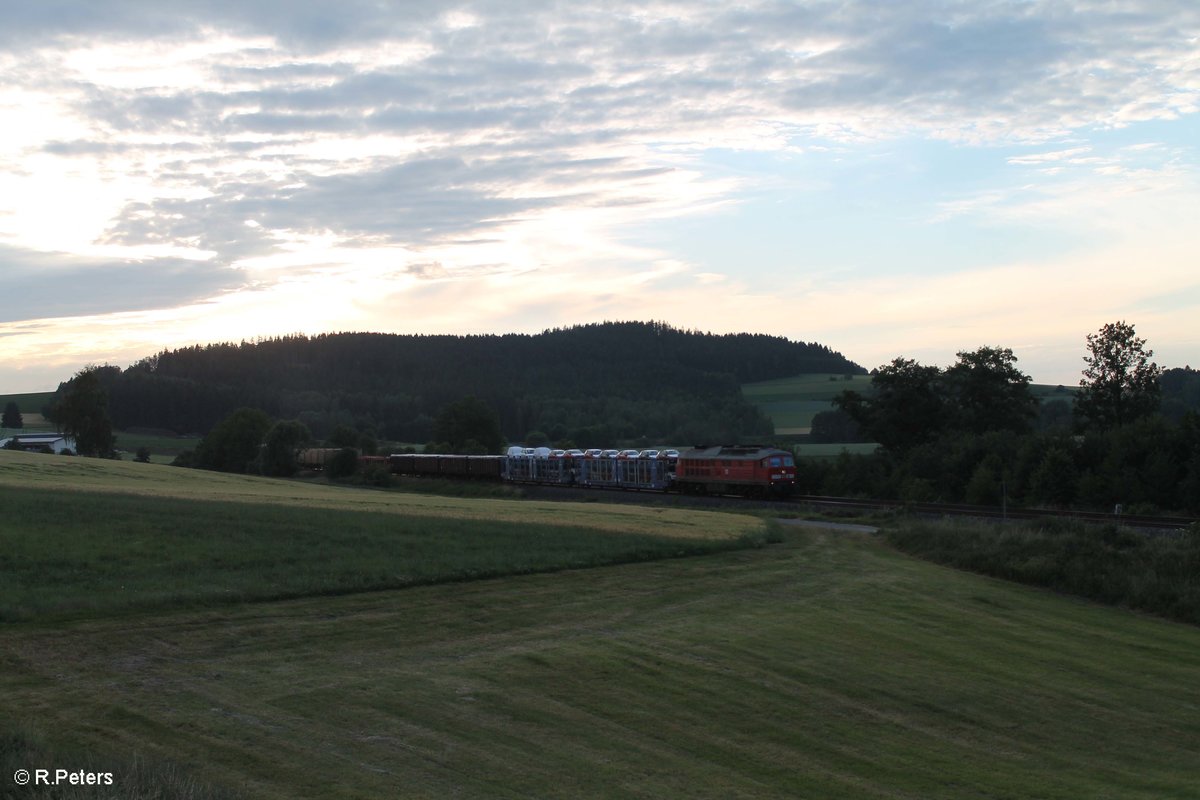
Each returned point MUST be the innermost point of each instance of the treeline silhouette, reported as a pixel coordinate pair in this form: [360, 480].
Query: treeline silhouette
[590, 384]
[931, 451]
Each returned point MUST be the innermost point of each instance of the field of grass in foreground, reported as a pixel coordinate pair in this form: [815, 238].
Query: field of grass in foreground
[828, 666]
[93, 553]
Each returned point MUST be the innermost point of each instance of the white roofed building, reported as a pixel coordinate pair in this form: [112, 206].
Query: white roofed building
[38, 442]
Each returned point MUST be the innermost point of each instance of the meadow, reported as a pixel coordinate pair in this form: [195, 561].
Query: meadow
[791, 403]
[824, 665]
[28, 402]
[121, 553]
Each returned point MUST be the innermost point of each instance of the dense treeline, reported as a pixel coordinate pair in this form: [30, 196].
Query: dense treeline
[973, 433]
[1148, 466]
[591, 384]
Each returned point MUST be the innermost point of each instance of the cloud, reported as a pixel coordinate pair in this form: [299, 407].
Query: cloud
[39, 285]
[270, 141]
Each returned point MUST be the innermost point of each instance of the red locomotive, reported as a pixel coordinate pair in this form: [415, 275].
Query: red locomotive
[752, 470]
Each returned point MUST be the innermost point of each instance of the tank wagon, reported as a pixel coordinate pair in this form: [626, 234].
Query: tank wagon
[751, 470]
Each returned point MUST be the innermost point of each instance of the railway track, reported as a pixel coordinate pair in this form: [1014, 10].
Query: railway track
[553, 491]
[856, 505]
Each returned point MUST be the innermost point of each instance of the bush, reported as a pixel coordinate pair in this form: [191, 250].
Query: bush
[1108, 563]
[377, 475]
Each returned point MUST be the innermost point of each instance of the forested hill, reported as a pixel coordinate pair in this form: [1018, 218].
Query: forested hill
[592, 384]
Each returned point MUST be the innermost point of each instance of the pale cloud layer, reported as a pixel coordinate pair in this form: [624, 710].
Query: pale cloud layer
[886, 178]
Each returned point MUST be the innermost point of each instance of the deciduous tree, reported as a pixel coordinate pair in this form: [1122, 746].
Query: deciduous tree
[12, 416]
[233, 443]
[989, 393]
[280, 445]
[1120, 383]
[82, 413]
[908, 406]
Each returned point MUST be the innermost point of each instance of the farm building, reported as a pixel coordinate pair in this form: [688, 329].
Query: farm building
[37, 442]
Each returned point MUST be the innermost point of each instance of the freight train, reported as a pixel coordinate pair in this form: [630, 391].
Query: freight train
[750, 470]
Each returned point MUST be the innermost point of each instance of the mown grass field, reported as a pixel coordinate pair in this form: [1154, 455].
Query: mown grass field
[126, 553]
[827, 666]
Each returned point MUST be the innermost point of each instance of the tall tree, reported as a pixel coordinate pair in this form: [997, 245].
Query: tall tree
[1120, 383]
[989, 393]
[12, 416]
[233, 444]
[907, 407]
[280, 445]
[82, 413]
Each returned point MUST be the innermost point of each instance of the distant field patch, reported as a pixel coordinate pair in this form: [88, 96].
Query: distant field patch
[29, 402]
[835, 450]
[163, 448]
[791, 403]
[821, 386]
[1045, 392]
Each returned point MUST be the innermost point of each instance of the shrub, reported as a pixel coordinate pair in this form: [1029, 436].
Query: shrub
[1108, 563]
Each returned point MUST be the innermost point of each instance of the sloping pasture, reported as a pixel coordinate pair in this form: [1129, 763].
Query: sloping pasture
[791, 403]
[826, 666]
[84, 537]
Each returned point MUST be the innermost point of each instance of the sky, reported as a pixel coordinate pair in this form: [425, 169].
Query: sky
[887, 179]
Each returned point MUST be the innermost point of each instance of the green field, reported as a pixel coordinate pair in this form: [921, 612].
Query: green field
[827, 665]
[30, 405]
[833, 450]
[146, 552]
[163, 448]
[791, 403]
[29, 402]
